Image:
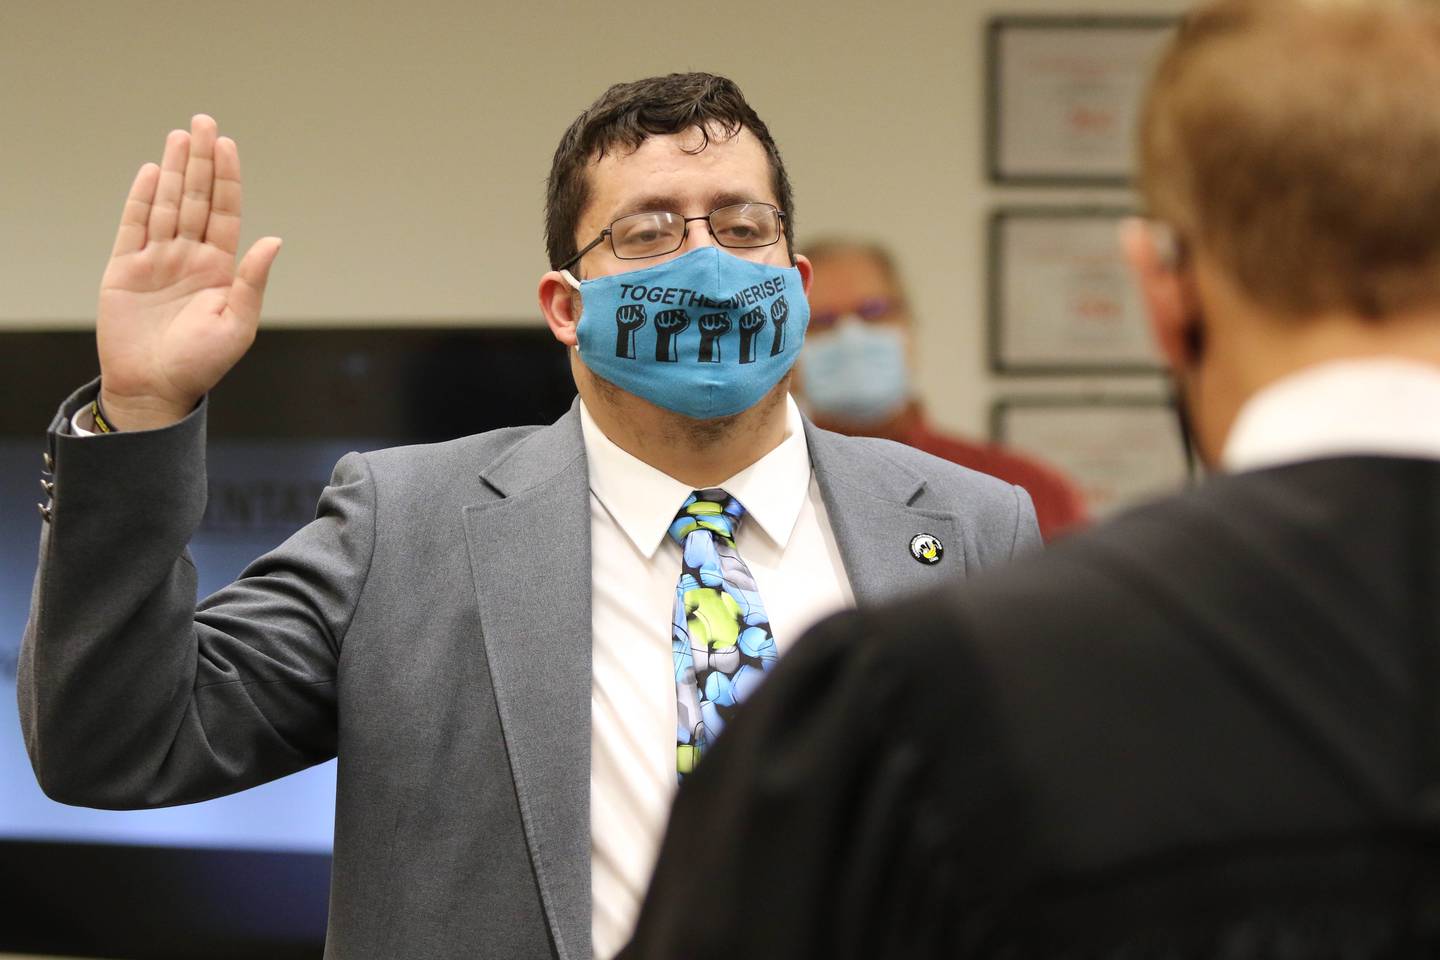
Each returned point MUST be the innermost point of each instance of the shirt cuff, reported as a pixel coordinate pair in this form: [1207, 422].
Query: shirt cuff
[82, 424]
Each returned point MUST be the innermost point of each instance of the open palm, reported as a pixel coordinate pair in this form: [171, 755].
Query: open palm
[176, 312]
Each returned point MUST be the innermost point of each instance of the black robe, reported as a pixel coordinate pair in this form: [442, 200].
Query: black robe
[1210, 728]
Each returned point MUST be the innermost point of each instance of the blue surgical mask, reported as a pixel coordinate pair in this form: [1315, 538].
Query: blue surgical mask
[704, 335]
[857, 372]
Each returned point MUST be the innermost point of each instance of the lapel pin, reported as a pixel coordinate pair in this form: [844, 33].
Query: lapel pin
[927, 549]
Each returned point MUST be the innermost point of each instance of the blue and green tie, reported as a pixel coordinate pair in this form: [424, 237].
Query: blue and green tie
[722, 639]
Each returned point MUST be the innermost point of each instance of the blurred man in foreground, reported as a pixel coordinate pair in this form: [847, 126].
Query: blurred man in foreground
[857, 368]
[1209, 728]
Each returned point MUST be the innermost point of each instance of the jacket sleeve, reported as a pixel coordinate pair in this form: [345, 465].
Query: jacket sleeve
[130, 694]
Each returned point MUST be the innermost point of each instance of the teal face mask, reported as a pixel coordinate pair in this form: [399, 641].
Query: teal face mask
[704, 335]
[857, 372]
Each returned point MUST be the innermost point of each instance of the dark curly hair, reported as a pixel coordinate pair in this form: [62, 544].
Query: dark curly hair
[629, 113]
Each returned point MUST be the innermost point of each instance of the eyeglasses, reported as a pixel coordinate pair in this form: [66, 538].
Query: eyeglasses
[642, 235]
[873, 310]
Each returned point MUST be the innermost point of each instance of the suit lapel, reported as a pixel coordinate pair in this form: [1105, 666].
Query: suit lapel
[530, 552]
[871, 502]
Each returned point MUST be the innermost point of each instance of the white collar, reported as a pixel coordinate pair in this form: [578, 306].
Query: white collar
[643, 501]
[1385, 406]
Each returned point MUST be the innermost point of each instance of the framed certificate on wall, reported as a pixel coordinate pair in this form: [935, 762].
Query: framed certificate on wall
[1064, 94]
[1061, 299]
[1120, 450]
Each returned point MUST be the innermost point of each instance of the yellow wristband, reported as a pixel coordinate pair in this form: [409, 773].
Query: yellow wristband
[99, 418]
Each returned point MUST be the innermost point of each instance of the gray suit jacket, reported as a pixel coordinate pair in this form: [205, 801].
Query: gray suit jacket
[431, 627]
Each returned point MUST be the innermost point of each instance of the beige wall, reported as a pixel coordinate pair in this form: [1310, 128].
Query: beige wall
[401, 149]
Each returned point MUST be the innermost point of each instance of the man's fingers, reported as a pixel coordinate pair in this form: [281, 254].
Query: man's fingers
[199, 178]
[131, 236]
[224, 227]
[248, 290]
[165, 211]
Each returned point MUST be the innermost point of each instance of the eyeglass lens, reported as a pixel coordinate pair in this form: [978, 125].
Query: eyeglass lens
[872, 310]
[654, 234]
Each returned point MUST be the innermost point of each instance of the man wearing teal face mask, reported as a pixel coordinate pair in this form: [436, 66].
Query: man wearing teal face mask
[517, 642]
[855, 376]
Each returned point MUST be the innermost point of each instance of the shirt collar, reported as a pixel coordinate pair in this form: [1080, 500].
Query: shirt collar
[1385, 406]
[643, 501]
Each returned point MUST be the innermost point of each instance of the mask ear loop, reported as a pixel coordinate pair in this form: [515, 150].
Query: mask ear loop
[575, 284]
[1187, 434]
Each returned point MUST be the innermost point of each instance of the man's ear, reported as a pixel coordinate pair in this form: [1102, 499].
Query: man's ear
[807, 271]
[560, 304]
[1161, 289]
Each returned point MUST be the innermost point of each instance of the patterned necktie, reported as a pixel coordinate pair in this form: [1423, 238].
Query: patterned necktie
[722, 639]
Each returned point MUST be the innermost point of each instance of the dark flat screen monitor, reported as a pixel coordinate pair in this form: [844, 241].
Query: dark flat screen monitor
[245, 875]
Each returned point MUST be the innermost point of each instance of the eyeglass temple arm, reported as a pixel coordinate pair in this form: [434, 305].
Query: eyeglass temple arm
[586, 249]
[789, 247]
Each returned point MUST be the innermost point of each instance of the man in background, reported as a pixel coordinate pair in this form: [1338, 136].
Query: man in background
[857, 369]
[1210, 728]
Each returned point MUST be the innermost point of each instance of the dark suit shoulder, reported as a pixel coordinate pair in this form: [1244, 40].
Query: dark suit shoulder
[1264, 568]
[1248, 646]
[1337, 520]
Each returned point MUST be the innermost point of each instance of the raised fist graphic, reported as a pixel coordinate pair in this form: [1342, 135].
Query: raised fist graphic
[628, 319]
[713, 326]
[779, 313]
[750, 326]
[668, 325]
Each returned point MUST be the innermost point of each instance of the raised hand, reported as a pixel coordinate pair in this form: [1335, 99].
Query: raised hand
[750, 326]
[713, 326]
[779, 313]
[628, 318]
[668, 326]
[176, 312]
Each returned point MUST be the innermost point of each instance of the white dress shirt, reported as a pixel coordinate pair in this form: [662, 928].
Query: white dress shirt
[1385, 406]
[785, 540]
